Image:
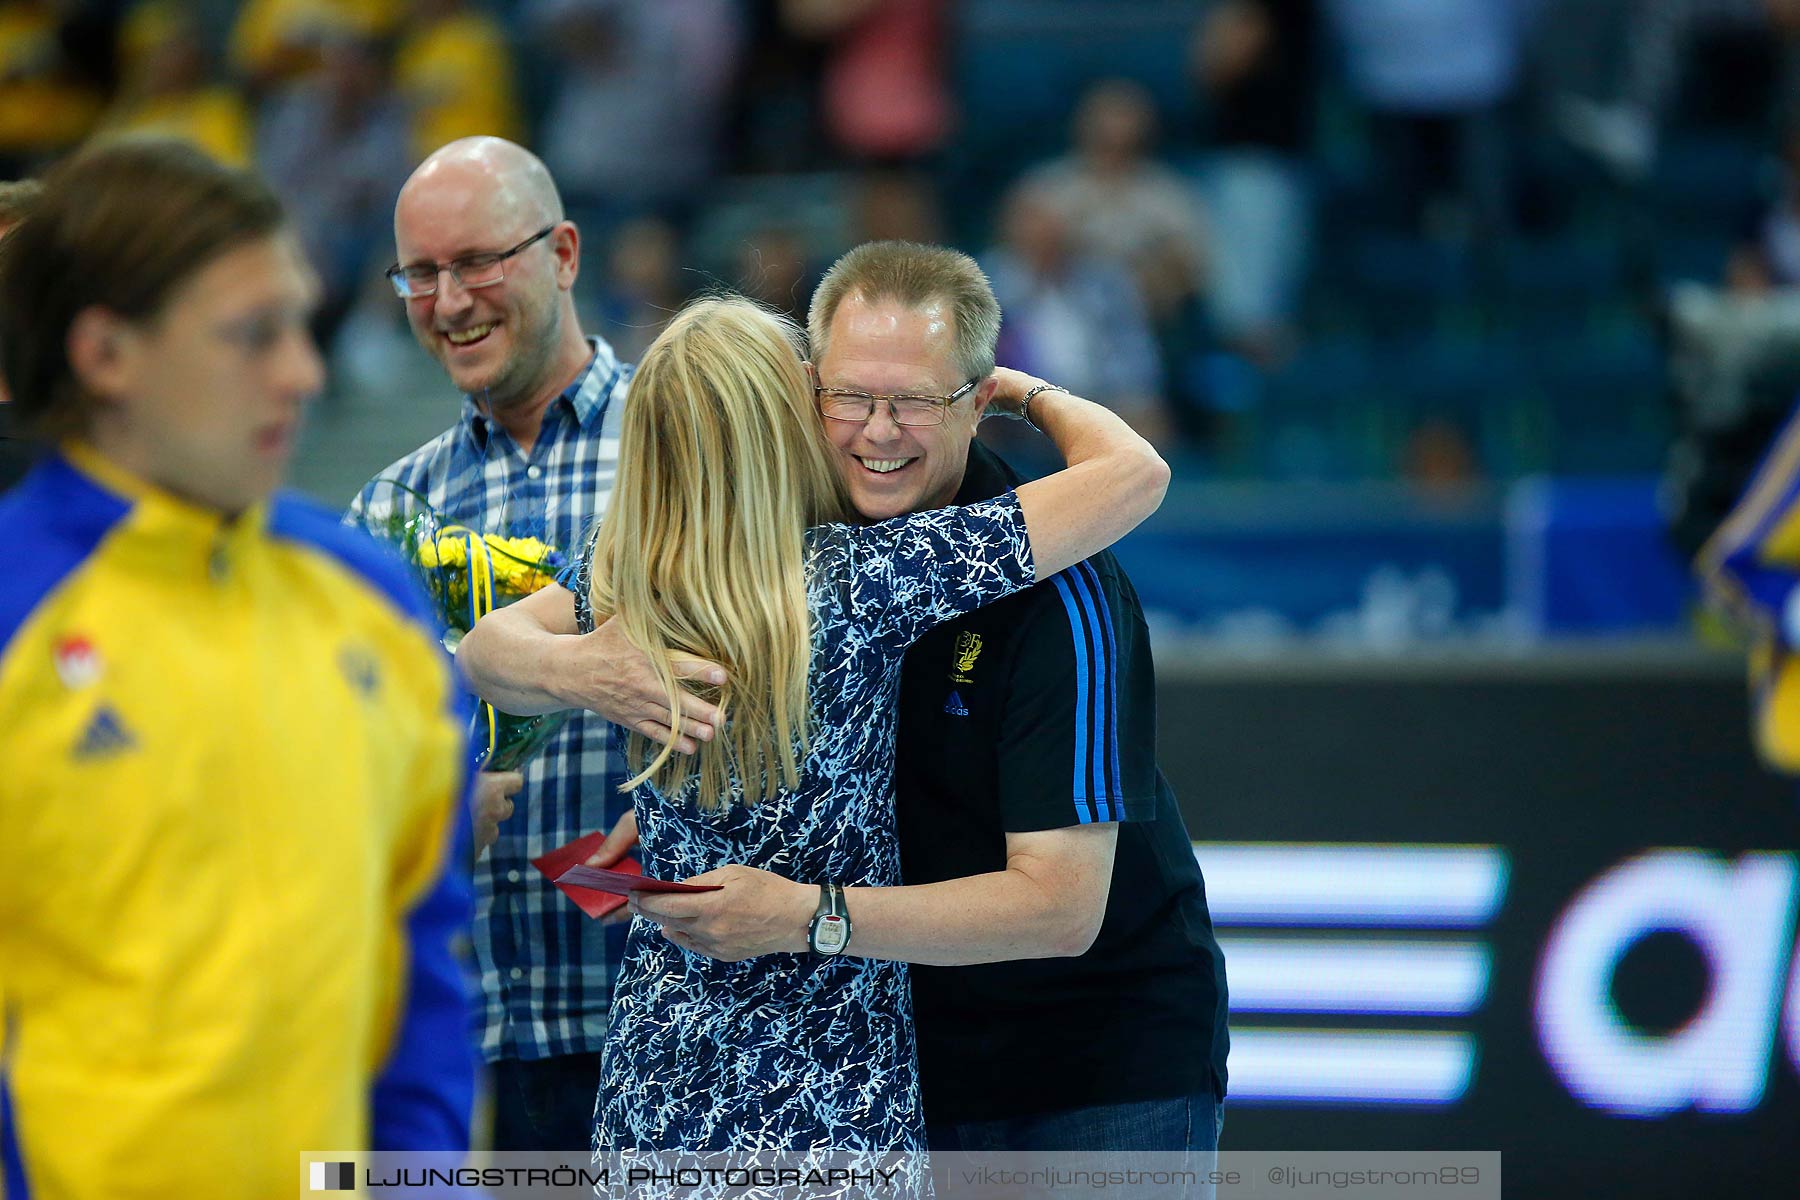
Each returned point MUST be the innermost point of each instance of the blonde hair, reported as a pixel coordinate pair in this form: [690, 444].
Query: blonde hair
[723, 463]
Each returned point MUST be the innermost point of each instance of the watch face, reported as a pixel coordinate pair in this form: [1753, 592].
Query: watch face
[830, 934]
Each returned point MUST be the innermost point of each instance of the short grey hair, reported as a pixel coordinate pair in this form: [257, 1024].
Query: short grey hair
[912, 274]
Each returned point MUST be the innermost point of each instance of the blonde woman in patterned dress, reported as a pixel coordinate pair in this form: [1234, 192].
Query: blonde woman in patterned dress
[728, 538]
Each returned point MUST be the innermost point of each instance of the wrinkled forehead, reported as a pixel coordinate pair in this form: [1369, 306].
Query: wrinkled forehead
[910, 346]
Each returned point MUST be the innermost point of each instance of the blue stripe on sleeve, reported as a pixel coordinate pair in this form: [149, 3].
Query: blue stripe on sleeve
[1084, 808]
[12, 1162]
[1100, 695]
[1115, 781]
[424, 1097]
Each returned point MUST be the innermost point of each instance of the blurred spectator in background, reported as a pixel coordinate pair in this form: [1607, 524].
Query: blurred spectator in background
[773, 268]
[337, 146]
[642, 288]
[883, 95]
[56, 67]
[1255, 64]
[1768, 257]
[17, 451]
[1438, 456]
[1760, 37]
[774, 123]
[1751, 569]
[1733, 364]
[454, 68]
[1133, 212]
[638, 109]
[277, 41]
[1434, 75]
[1126, 207]
[763, 136]
[895, 205]
[1073, 317]
[169, 86]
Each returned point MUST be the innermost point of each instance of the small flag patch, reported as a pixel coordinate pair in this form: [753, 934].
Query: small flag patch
[333, 1177]
[77, 661]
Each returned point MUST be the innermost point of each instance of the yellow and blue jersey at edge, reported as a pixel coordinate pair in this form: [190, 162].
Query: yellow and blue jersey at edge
[233, 846]
[1751, 566]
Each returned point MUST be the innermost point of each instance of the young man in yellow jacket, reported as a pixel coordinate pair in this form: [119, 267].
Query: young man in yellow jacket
[232, 837]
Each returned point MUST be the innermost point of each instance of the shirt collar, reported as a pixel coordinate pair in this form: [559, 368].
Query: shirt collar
[586, 395]
[178, 529]
[986, 476]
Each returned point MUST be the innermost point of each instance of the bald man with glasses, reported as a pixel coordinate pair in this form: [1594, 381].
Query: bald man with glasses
[486, 264]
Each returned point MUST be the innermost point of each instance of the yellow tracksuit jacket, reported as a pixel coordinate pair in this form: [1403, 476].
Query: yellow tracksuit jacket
[232, 846]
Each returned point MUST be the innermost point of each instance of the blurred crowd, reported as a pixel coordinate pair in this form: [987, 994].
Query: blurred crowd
[1430, 239]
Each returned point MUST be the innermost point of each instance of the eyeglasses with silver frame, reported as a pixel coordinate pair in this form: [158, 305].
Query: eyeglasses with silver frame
[847, 404]
[416, 280]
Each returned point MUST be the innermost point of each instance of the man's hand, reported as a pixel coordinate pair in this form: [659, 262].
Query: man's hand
[618, 843]
[528, 658]
[493, 804]
[1010, 387]
[757, 912]
[612, 677]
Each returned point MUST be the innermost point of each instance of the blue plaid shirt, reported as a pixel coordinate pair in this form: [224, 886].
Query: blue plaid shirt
[546, 970]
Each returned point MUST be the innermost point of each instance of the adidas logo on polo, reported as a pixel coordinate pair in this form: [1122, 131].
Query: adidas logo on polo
[955, 706]
[104, 736]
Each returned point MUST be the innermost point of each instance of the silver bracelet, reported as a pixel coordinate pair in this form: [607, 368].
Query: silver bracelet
[1025, 403]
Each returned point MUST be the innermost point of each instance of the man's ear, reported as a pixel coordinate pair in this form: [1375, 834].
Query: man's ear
[565, 244]
[983, 394]
[103, 350]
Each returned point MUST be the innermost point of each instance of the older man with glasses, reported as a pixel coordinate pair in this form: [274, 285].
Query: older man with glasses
[486, 269]
[1055, 1010]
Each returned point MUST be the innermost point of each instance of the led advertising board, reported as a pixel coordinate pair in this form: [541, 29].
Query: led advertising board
[1552, 916]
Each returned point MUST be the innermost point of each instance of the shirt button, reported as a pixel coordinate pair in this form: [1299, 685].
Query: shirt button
[512, 877]
[533, 471]
[517, 973]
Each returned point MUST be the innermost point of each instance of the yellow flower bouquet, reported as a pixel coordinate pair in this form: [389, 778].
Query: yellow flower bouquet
[467, 575]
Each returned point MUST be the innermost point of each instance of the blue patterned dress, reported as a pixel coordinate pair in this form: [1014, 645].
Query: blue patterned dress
[792, 1052]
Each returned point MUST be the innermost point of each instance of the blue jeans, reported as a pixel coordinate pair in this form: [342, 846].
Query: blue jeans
[1185, 1123]
[546, 1104]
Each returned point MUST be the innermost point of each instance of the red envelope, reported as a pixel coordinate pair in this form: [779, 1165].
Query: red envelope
[594, 904]
[595, 891]
[622, 883]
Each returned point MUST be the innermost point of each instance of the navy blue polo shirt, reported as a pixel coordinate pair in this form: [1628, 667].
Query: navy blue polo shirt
[1039, 712]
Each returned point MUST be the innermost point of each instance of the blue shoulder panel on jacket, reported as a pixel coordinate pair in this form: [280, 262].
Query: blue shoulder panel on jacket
[50, 525]
[12, 1163]
[295, 519]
